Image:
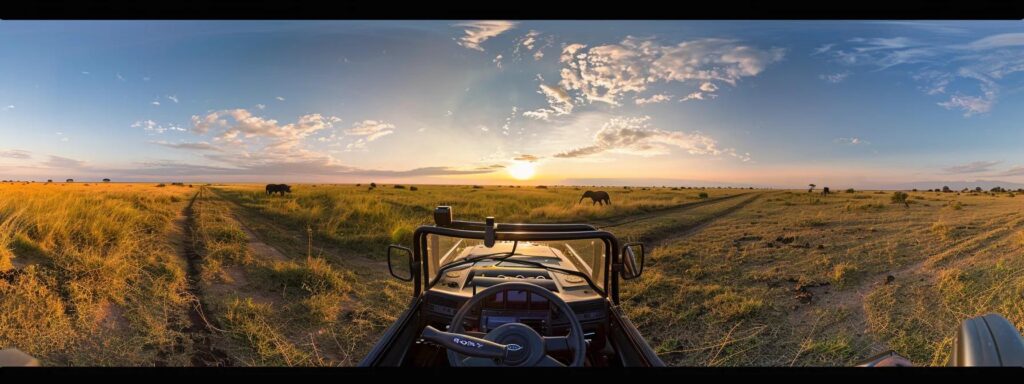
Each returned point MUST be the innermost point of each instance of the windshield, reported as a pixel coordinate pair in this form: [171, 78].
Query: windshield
[586, 256]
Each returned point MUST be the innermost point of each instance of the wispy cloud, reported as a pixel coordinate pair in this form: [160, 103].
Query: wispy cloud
[173, 98]
[154, 127]
[852, 141]
[63, 162]
[835, 78]
[607, 73]
[635, 136]
[371, 130]
[477, 32]
[199, 146]
[527, 158]
[279, 98]
[986, 62]
[15, 154]
[972, 167]
[653, 99]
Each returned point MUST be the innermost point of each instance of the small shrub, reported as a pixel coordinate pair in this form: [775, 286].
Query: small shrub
[413, 188]
[850, 190]
[399, 186]
[703, 195]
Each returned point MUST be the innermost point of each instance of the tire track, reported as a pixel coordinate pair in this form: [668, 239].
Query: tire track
[200, 328]
[630, 219]
[688, 230]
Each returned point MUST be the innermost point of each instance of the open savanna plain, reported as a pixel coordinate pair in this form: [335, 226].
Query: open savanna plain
[223, 274]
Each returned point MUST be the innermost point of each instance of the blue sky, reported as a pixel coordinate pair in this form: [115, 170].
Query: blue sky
[785, 103]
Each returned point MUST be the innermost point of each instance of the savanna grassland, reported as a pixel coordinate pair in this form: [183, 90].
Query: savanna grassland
[140, 274]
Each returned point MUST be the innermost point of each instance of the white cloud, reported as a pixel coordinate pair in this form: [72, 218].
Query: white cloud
[157, 103]
[9, 107]
[635, 136]
[539, 114]
[119, 77]
[371, 129]
[852, 141]
[834, 78]
[478, 32]
[608, 72]
[261, 106]
[654, 99]
[279, 98]
[152, 126]
[237, 126]
[173, 98]
[497, 61]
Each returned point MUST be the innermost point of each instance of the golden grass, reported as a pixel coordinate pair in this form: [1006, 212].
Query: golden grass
[95, 275]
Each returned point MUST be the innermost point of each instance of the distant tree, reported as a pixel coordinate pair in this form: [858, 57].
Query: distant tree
[900, 197]
[374, 185]
[812, 188]
[945, 188]
[703, 195]
[915, 189]
[49, 180]
[998, 189]
[977, 189]
[70, 180]
[850, 190]
[106, 180]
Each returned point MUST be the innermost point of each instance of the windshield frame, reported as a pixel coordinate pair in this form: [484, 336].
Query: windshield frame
[518, 232]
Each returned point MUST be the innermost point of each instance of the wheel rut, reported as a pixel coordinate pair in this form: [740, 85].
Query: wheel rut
[200, 328]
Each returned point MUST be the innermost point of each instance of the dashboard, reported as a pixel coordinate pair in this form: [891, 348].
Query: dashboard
[448, 294]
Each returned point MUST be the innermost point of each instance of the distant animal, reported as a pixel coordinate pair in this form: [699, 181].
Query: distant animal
[278, 188]
[825, 191]
[596, 197]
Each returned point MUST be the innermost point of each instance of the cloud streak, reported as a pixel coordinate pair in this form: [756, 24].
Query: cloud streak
[477, 32]
[635, 136]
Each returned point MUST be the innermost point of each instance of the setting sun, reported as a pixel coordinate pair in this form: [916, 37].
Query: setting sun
[521, 170]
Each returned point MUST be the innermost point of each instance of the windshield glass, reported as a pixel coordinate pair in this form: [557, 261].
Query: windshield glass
[583, 255]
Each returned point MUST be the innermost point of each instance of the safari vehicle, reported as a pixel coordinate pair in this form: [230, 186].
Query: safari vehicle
[520, 295]
[547, 295]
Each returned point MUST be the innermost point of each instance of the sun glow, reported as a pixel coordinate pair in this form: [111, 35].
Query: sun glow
[522, 170]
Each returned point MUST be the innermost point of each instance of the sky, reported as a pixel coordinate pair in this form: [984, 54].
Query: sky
[761, 103]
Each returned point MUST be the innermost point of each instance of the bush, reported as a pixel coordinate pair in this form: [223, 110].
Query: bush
[703, 195]
[413, 188]
[399, 186]
[850, 190]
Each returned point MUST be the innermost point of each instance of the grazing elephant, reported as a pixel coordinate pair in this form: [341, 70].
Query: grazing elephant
[278, 188]
[825, 191]
[596, 197]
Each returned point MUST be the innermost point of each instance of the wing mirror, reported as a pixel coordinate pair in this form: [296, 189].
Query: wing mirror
[400, 262]
[632, 260]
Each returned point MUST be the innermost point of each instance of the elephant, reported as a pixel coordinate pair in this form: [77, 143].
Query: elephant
[278, 188]
[596, 197]
[825, 191]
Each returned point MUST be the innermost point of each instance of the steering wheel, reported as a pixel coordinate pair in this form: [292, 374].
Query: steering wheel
[511, 344]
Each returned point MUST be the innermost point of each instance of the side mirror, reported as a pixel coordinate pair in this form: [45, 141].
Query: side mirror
[400, 262]
[632, 260]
